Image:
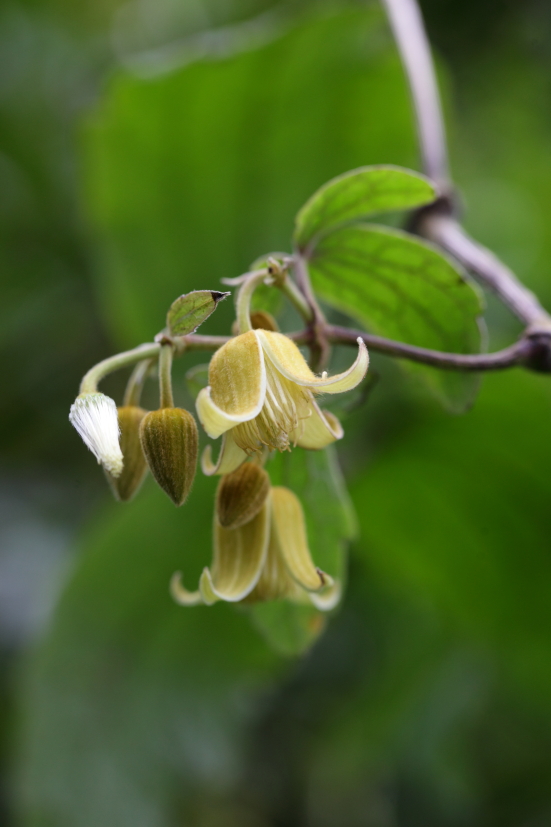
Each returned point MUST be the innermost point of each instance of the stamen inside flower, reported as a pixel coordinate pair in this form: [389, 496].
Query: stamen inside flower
[285, 408]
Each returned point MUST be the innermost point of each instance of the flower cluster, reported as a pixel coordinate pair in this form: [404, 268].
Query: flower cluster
[261, 397]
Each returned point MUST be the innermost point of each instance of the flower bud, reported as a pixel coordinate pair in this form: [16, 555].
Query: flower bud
[170, 441]
[94, 416]
[260, 320]
[135, 467]
[241, 495]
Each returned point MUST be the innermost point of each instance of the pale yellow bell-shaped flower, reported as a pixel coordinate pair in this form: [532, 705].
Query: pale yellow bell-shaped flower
[266, 559]
[261, 393]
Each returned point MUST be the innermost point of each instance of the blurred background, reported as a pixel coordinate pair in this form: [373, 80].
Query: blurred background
[151, 147]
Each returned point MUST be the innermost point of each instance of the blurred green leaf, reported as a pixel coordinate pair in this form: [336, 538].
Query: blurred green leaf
[457, 517]
[291, 628]
[197, 378]
[403, 288]
[356, 195]
[130, 694]
[191, 310]
[196, 173]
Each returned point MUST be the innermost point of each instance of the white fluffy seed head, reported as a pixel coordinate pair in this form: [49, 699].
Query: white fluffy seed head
[95, 418]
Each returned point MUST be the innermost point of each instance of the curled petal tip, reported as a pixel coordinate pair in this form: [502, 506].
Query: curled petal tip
[208, 595]
[327, 599]
[229, 458]
[180, 594]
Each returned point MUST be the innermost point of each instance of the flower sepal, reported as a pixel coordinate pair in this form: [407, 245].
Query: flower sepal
[127, 484]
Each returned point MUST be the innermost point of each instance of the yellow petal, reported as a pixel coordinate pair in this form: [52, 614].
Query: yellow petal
[180, 594]
[205, 588]
[290, 362]
[290, 535]
[230, 457]
[275, 582]
[237, 377]
[286, 356]
[214, 420]
[319, 430]
[237, 385]
[239, 556]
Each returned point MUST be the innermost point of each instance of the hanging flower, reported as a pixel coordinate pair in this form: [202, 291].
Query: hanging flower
[266, 558]
[261, 393]
[94, 416]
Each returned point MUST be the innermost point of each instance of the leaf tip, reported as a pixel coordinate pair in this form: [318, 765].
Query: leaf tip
[217, 296]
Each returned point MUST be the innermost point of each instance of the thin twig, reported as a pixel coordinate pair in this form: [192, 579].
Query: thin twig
[437, 222]
[501, 359]
[445, 231]
[194, 341]
[319, 348]
[90, 380]
[281, 280]
[409, 32]
[134, 387]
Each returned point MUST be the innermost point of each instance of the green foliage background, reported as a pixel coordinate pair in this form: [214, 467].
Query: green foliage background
[154, 148]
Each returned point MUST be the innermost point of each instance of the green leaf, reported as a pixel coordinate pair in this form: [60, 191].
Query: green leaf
[456, 517]
[316, 479]
[403, 288]
[191, 310]
[356, 195]
[290, 628]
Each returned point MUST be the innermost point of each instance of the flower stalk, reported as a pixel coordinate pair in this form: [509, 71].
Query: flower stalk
[165, 376]
[134, 387]
[94, 376]
[281, 279]
[244, 296]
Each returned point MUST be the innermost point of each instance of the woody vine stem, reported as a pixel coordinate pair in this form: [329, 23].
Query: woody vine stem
[437, 222]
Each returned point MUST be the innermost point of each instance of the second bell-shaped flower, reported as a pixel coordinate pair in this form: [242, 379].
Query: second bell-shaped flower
[262, 390]
[264, 559]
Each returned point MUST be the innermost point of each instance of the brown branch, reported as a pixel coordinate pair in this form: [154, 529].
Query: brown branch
[317, 339]
[516, 354]
[437, 222]
[409, 33]
[194, 341]
[531, 351]
[445, 231]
